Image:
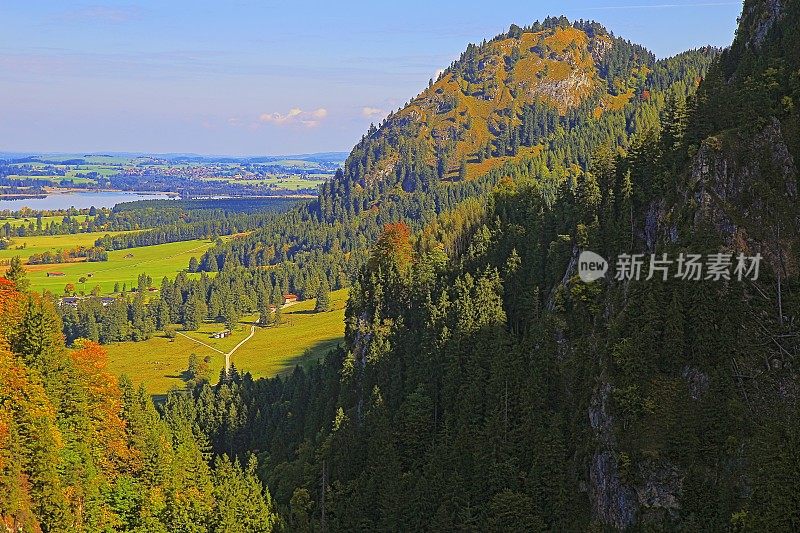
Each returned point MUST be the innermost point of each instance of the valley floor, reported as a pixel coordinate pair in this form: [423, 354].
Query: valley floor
[304, 336]
[123, 266]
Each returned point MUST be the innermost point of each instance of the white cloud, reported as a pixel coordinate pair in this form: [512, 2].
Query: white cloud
[295, 116]
[372, 112]
[279, 118]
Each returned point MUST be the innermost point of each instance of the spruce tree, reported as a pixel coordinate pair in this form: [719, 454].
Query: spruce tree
[323, 297]
[264, 314]
[17, 275]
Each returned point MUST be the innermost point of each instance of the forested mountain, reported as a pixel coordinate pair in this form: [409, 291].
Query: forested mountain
[547, 131]
[483, 385]
[555, 86]
[489, 388]
[405, 170]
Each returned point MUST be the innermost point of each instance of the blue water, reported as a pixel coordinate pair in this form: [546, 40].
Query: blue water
[80, 200]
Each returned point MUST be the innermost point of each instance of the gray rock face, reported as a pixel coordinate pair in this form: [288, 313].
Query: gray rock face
[727, 180]
[661, 486]
[567, 93]
[658, 493]
[600, 418]
[619, 503]
[767, 14]
[696, 380]
[570, 271]
[734, 185]
[613, 503]
[599, 48]
[653, 218]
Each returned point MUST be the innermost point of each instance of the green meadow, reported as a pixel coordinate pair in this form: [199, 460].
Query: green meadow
[17, 222]
[123, 266]
[27, 246]
[303, 337]
[54, 180]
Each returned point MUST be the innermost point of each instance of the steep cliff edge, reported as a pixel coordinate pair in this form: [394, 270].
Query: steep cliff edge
[726, 351]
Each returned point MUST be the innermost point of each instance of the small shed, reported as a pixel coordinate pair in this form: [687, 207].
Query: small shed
[289, 298]
[221, 334]
[70, 300]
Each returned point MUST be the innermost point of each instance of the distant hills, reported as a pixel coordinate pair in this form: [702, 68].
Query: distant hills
[57, 157]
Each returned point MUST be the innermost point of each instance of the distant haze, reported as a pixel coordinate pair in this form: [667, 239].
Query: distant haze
[264, 77]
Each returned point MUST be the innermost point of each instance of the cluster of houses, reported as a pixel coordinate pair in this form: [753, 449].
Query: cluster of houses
[62, 274]
[149, 289]
[73, 301]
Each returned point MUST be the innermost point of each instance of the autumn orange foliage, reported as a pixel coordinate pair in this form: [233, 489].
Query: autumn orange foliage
[105, 402]
[24, 407]
[393, 247]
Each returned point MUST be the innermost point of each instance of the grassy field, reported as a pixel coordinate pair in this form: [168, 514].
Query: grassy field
[123, 266]
[17, 222]
[303, 337]
[27, 246]
[103, 171]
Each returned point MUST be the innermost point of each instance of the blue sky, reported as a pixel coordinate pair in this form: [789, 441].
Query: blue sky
[265, 77]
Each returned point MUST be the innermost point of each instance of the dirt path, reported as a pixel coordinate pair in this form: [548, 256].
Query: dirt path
[227, 355]
[200, 342]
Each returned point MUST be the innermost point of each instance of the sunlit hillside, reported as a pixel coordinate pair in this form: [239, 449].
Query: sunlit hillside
[503, 100]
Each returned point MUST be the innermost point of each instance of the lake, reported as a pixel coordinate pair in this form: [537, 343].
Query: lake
[81, 200]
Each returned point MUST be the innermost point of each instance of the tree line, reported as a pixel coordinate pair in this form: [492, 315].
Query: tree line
[81, 450]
